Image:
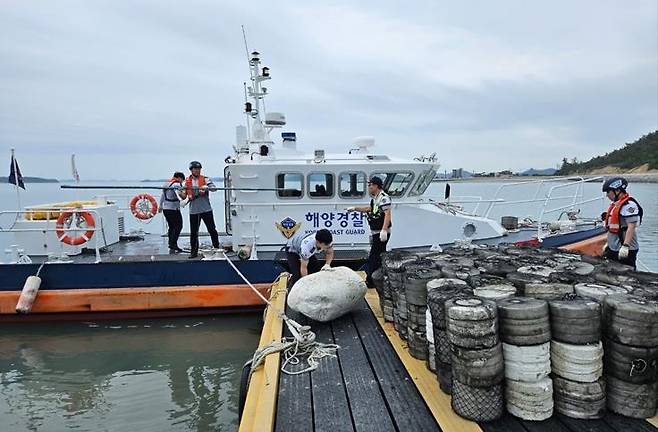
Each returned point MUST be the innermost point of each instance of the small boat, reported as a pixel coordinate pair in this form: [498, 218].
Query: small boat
[89, 266]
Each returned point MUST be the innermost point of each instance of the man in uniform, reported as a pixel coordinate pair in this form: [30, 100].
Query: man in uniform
[621, 221]
[170, 207]
[301, 250]
[197, 191]
[379, 219]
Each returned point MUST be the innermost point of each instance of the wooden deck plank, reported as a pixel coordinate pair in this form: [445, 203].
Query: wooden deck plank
[295, 406]
[426, 382]
[330, 406]
[507, 423]
[653, 421]
[624, 424]
[549, 425]
[261, 400]
[366, 401]
[577, 425]
[406, 404]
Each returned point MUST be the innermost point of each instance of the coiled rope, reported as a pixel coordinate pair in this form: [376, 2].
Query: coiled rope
[302, 344]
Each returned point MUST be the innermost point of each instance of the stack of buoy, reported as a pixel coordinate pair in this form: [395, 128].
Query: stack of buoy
[561, 353]
[477, 358]
[544, 289]
[392, 263]
[429, 335]
[416, 276]
[378, 281]
[394, 270]
[631, 330]
[439, 291]
[577, 357]
[526, 334]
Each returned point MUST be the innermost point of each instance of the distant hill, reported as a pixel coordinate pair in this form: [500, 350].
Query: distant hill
[32, 180]
[639, 156]
[539, 172]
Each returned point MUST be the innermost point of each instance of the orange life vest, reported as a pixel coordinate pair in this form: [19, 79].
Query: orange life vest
[201, 182]
[612, 219]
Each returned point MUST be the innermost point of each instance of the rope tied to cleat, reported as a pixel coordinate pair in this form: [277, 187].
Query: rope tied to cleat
[302, 345]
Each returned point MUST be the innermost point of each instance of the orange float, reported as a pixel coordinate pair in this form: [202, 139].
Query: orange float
[143, 206]
[75, 240]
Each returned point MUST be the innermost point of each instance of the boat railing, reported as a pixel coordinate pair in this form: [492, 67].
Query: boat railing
[536, 196]
[578, 200]
[50, 218]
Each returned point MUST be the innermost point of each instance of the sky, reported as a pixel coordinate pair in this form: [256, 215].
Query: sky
[137, 89]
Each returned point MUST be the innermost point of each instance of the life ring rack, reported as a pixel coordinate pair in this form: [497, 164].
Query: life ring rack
[61, 232]
[143, 206]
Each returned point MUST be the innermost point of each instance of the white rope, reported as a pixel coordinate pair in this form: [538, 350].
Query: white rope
[302, 344]
[643, 265]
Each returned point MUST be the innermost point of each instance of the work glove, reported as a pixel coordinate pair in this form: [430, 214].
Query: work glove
[350, 209]
[326, 267]
[383, 235]
[204, 188]
[623, 252]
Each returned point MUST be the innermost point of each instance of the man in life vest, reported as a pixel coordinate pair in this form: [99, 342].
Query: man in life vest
[170, 207]
[379, 219]
[621, 221]
[301, 250]
[198, 193]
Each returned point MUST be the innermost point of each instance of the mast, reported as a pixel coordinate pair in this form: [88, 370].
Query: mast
[253, 141]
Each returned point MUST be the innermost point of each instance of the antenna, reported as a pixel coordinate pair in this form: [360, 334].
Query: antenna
[246, 49]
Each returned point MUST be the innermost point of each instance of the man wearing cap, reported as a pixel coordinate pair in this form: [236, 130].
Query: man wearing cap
[379, 219]
[197, 191]
[621, 222]
[301, 250]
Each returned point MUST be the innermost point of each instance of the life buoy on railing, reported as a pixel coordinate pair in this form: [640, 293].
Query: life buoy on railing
[143, 206]
[77, 240]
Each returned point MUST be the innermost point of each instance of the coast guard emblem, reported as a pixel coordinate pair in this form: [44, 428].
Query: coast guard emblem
[288, 227]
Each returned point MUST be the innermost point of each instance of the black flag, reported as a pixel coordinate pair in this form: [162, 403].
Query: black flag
[15, 176]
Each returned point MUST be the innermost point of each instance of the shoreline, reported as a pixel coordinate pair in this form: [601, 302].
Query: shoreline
[632, 178]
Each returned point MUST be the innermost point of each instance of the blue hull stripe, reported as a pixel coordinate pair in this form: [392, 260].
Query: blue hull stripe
[138, 274]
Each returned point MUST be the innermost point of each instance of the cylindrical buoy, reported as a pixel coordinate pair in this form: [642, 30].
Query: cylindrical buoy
[244, 252]
[510, 222]
[28, 294]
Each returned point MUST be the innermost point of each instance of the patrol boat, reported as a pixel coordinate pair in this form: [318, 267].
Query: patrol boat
[80, 258]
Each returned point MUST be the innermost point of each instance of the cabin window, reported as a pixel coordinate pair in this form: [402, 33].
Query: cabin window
[395, 184]
[352, 185]
[321, 185]
[423, 182]
[290, 185]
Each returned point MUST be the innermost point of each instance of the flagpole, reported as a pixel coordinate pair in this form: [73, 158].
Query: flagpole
[18, 192]
[76, 176]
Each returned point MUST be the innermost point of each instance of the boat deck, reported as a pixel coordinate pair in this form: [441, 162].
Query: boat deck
[153, 247]
[375, 385]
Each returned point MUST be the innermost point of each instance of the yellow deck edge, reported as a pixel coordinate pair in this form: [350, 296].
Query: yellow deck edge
[259, 411]
[426, 382]
[653, 420]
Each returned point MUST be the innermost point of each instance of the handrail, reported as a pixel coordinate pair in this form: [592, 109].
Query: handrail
[48, 220]
[539, 183]
[579, 187]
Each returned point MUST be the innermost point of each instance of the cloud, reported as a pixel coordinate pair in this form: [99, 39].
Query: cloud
[488, 85]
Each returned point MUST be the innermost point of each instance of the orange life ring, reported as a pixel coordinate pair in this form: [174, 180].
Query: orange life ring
[77, 240]
[143, 206]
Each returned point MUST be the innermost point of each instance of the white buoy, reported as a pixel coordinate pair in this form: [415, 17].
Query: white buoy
[28, 294]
